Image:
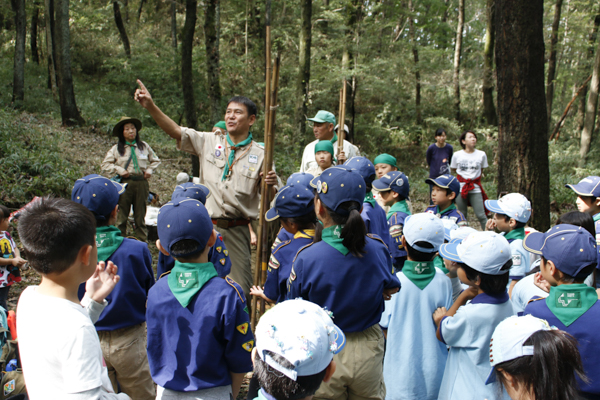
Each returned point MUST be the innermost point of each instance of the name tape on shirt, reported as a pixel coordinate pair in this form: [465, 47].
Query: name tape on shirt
[253, 159]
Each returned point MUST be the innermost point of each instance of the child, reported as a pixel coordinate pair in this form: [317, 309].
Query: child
[511, 213]
[294, 206]
[343, 262]
[199, 340]
[533, 361]
[59, 238]
[384, 163]
[439, 155]
[122, 326]
[218, 254]
[393, 188]
[414, 360]
[323, 156]
[11, 260]
[372, 214]
[295, 344]
[483, 262]
[444, 190]
[569, 255]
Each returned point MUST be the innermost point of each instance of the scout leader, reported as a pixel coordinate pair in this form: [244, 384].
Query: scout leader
[230, 166]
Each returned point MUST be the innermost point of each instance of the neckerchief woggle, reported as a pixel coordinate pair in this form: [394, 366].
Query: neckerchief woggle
[332, 236]
[569, 302]
[234, 147]
[108, 240]
[132, 146]
[419, 272]
[399, 206]
[186, 279]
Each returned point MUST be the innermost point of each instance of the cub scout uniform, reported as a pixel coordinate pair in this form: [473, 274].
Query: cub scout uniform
[451, 213]
[282, 236]
[395, 219]
[520, 256]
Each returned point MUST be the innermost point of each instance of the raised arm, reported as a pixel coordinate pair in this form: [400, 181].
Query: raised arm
[143, 97]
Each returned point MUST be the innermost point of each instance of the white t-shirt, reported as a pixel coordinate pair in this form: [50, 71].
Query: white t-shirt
[308, 157]
[60, 350]
[469, 165]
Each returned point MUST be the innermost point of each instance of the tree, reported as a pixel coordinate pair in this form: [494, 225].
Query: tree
[68, 108]
[121, 28]
[523, 123]
[211, 37]
[303, 77]
[187, 78]
[552, 59]
[19, 60]
[590, 57]
[590, 110]
[489, 110]
[415, 51]
[50, 47]
[457, 54]
[33, 33]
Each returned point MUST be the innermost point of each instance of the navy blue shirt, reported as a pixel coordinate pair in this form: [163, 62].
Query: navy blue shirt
[196, 347]
[376, 222]
[438, 159]
[349, 286]
[396, 229]
[453, 214]
[127, 302]
[218, 255]
[282, 236]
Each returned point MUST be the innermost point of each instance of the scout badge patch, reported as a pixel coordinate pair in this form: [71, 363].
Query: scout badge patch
[218, 150]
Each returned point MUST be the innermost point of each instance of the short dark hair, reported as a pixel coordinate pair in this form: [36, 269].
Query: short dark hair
[187, 247]
[580, 277]
[306, 221]
[440, 132]
[249, 104]
[53, 231]
[507, 219]
[5, 212]
[490, 284]
[417, 255]
[463, 136]
[280, 386]
[577, 218]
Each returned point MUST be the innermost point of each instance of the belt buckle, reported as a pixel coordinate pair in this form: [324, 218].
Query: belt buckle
[222, 223]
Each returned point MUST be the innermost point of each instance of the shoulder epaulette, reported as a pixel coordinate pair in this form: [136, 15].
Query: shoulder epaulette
[376, 238]
[280, 245]
[536, 298]
[231, 283]
[164, 274]
[302, 248]
[133, 237]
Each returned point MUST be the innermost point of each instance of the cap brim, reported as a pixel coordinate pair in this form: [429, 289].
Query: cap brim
[271, 214]
[491, 377]
[317, 120]
[436, 183]
[579, 190]
[534, 242]
[340, 339]
[449, 252]
[493, 206]
[120, 187]
[382, 187]
[313, 182]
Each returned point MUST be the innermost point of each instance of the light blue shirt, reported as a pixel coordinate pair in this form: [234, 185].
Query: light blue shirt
[524, 291]
[414, 358]
[520, 258]
[468, 334]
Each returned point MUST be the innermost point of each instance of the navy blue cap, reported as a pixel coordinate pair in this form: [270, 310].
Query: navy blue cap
[589, 186]
[300, 178]
[446, 182]
[191, 190]
[98, 194]
[291, 201]
[571, 248]
[364, 167]
[184, 219]
[340, 184]
[394, 180]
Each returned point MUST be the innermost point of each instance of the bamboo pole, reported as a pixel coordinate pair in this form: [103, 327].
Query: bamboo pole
[341, 130]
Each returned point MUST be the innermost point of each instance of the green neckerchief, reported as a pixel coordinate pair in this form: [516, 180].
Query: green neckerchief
[186, 279]
[234, 147]
[398, 206]
[518, 233]
[334, 138]
[369, 199]
[596, 217]
[132, 146]
[108, 240]
[452, 207]
[439, 263]
[332, 236]
[569, 302]
[419, 272]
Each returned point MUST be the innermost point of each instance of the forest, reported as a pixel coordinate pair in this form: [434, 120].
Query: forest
[523, 75]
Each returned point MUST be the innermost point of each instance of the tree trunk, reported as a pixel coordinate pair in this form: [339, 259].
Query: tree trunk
[187, 78]
[590, 56]
[590, 110]
[34, 33]
[489, 110]
[415, 51]
[50, 48]
[303, 77]
[126, 7]
[121, 28]
[174, 26]
[19, 59]
[457, 53]
[552, 59]
[523, 122]
[68, 108]
[211, 37]
[140, 9]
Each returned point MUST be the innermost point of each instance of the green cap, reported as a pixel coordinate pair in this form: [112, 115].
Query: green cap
[324, 145]
[221, 125]
[385, 159]
[323, 116]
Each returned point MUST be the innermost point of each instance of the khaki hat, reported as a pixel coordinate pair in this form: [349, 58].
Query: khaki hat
[126, 120]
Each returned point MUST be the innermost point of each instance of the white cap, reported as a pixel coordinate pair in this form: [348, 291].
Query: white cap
[462, 232]
[485, 252]
[182, 177]
[301, 332]
[424, 227]
[345, 128]
[508, 340]
[515, 205]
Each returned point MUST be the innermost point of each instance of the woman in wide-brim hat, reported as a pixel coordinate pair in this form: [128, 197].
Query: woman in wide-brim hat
[134, 161]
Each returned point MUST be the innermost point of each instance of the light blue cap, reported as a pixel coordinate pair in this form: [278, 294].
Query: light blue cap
[485, 252]
[424, 227]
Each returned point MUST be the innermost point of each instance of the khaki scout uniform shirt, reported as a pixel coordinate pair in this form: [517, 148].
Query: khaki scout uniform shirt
[237, 196]
[114, 163]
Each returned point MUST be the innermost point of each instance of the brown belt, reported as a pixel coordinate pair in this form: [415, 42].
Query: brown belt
[229, 223]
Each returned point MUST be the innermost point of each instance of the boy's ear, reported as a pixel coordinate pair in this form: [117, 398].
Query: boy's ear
[160, 247]
[114, 212]
[597, 202]
[329, 371]
[395, 195]
[555, 272]
[512, 223]
[452, 196]
[213, 239]
[403, 242]
[85, 254]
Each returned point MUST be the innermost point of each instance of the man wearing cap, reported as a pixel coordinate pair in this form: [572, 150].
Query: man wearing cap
[230, 166]
[323, 124]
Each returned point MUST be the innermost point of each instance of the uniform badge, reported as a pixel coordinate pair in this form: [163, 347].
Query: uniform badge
[324, 187]
[396, 230]
[516, 259]
[253, 159]
[319, 186]
[187, 279]
[9, 387]
[218, 150]
[246, 310]
[292, 275]
[248, 346]
[569, 300]
[226, 252]
[219, 248]
[273, 263]
[222, 261]
[243, 328]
